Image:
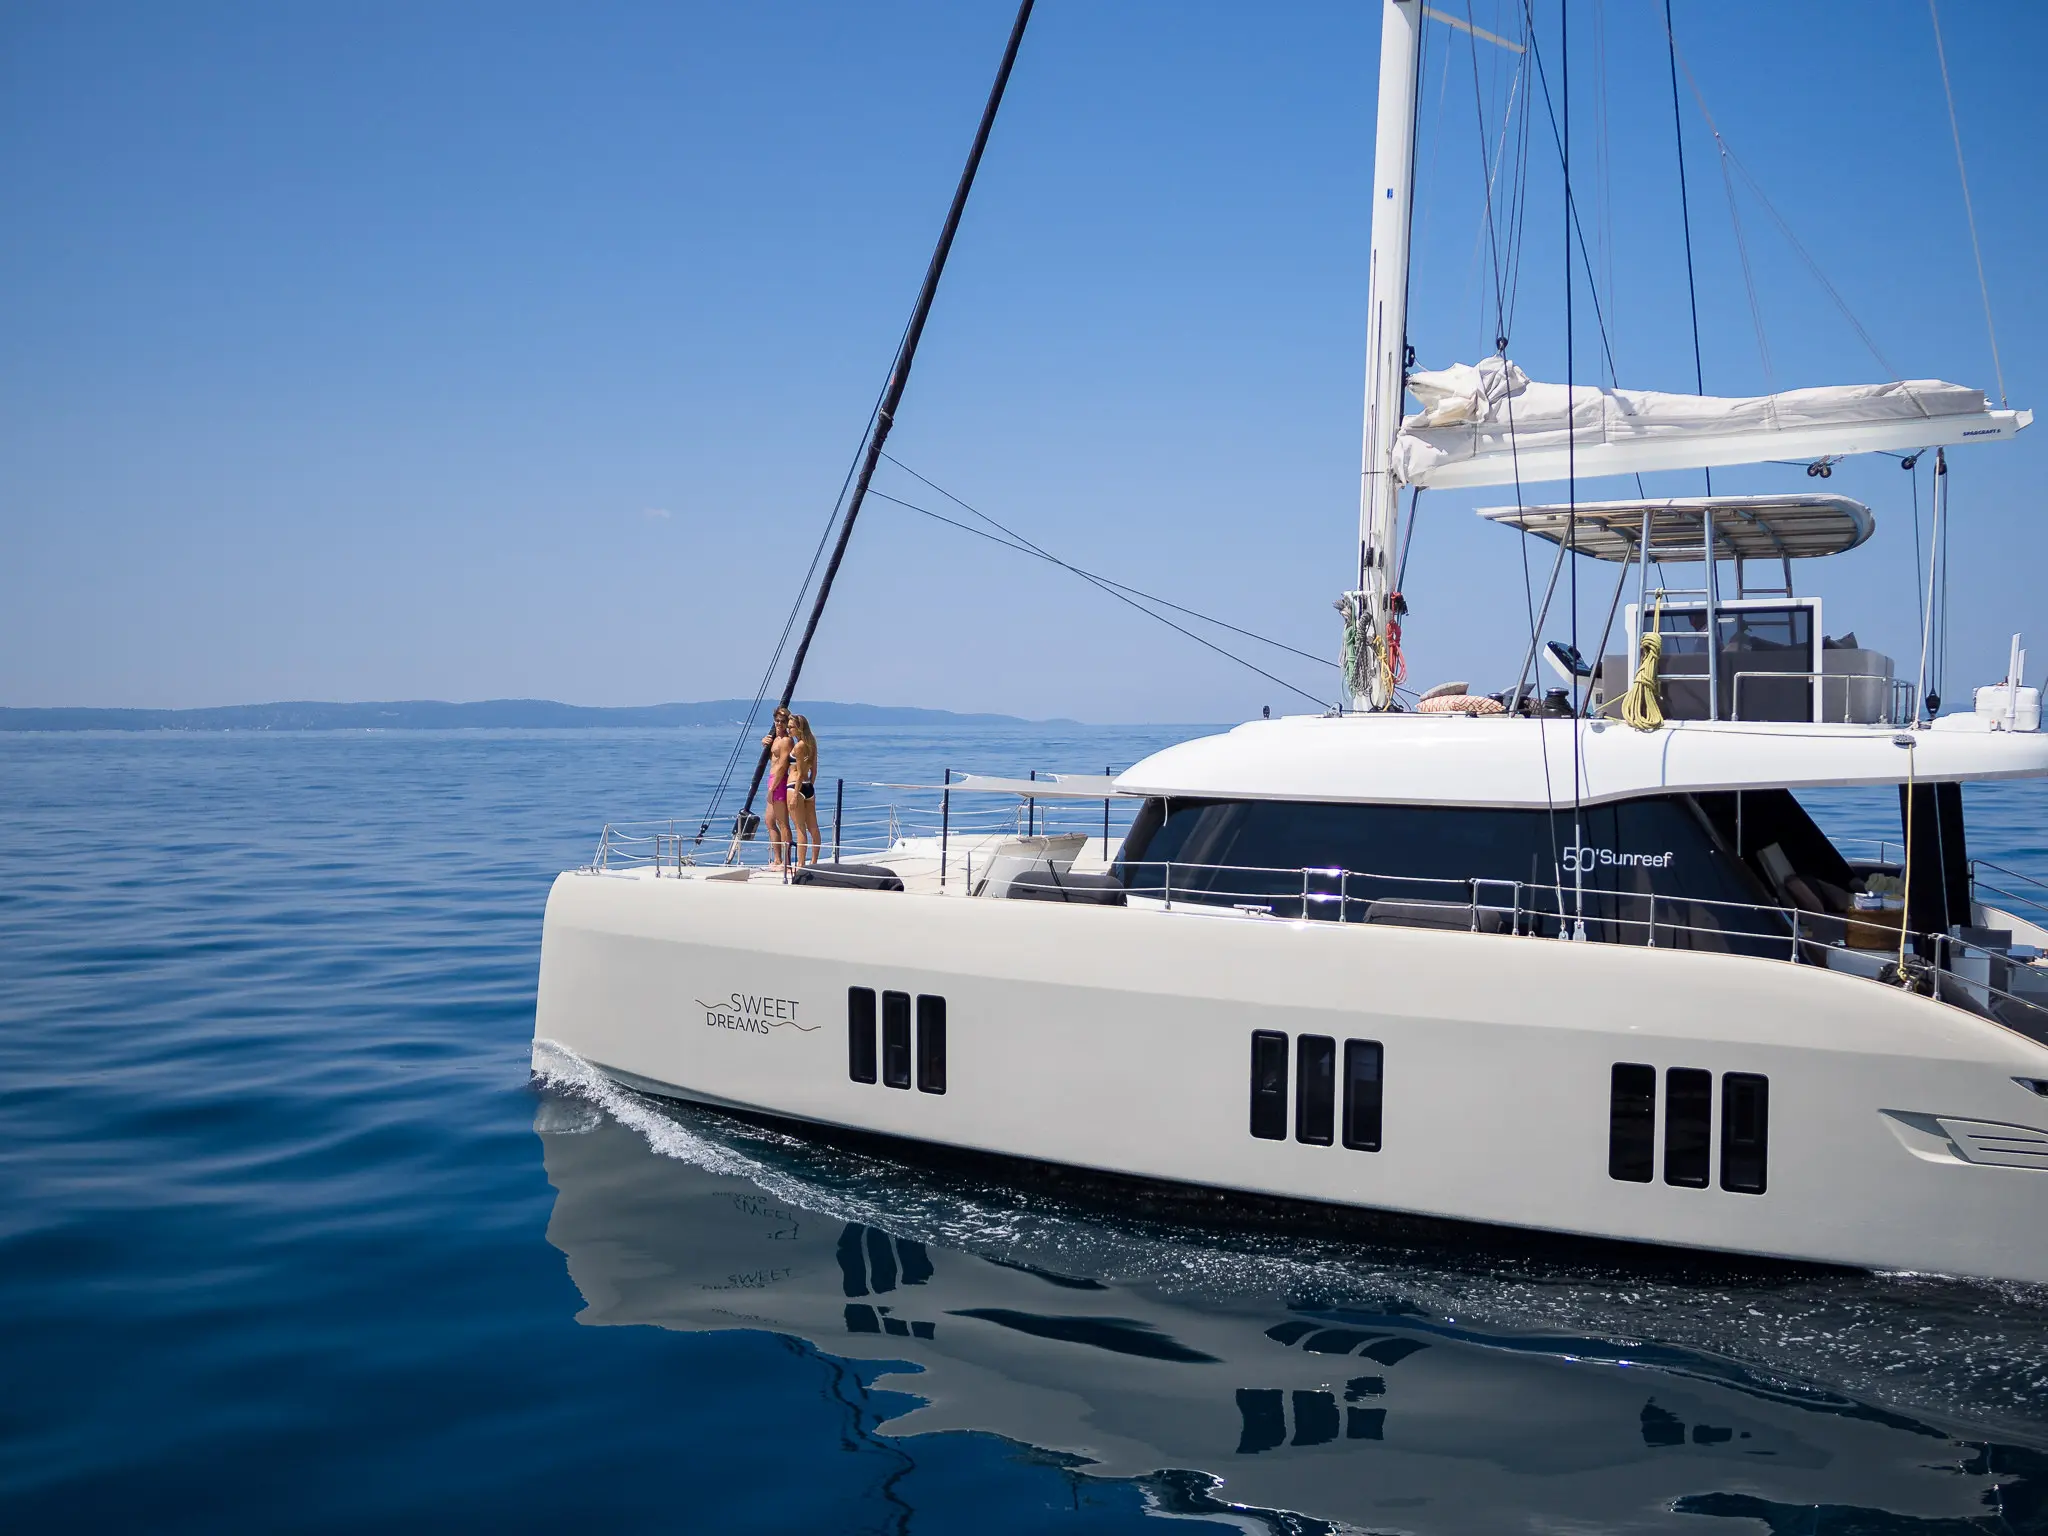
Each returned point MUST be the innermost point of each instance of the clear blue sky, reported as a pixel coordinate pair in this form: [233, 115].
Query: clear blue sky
[479, 350]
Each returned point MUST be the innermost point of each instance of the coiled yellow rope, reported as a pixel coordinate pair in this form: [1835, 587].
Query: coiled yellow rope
[1639, 706]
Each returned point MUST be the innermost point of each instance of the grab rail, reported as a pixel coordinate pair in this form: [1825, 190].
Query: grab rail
[1894, 714]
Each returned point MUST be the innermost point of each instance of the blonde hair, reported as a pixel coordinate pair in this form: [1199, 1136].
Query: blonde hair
[806, 743]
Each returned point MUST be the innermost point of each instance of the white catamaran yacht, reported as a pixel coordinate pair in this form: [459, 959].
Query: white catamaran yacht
[1575, 960]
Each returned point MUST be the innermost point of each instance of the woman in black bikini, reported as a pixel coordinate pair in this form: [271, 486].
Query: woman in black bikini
[803, 791]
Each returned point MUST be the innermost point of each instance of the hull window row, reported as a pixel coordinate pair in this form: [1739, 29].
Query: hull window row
[1316, 1090]
[896, 1057]
[1688, 1127]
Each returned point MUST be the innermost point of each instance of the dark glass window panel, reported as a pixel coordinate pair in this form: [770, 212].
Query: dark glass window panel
[862, 1319]
[1315, 1418]
[896, 1039]
[1315, 1105]
[1253, 853]
[1264, 1415]
[915, 1260]
[1362, 1088]
[1745, 1132]
[853, 1265]
[931, 1044]
[1765, 641]
[1365, 1423]
[1269, 1085]
[1632, 1123]
[1391, 1351]
[860, 1034]
[1688, 1126]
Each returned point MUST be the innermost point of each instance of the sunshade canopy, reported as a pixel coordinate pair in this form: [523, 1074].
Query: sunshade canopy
[1488, 424]
[1745, 527]
[1056, 786]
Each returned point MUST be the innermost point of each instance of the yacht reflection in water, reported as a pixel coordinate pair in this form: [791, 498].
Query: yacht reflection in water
[1204, 1374]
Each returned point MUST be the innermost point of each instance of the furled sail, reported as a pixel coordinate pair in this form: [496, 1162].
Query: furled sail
[1489, 425]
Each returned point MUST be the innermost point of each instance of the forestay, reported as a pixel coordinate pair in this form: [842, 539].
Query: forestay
[1490, 425]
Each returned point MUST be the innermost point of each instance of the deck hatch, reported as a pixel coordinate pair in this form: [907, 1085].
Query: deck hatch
[1269, 1085]
[1632, 1123]
[860, 1034]
[896, 1039]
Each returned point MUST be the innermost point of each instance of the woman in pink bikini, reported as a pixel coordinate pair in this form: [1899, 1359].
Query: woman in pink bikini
[781, 747]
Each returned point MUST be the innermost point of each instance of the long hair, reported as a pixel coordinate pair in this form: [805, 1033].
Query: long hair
[807, 744]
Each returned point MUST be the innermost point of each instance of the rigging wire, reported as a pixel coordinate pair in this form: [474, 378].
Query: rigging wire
[1969, 209]
[1692, 292]
[789, 624]
[1010, 541]
[1574, 229]
[1106, 586]
[1730, 159]
[1571, 438]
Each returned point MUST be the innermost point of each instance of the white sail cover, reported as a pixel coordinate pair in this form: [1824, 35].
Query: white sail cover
[1489, 425]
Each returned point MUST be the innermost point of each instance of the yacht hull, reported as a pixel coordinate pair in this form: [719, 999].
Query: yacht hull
[1120, 1040]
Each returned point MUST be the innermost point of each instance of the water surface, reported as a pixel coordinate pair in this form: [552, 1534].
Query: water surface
[292, 1239]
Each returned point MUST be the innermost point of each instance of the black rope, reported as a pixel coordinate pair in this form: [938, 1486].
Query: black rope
[1699, 376]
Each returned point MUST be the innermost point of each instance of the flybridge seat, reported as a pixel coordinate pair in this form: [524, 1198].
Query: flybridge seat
[1770, 658]
[1487, 424]
[1018, 856]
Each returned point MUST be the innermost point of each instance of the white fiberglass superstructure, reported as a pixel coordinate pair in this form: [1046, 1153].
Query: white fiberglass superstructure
[1580, 963]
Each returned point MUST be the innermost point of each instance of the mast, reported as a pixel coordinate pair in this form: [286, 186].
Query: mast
[892, 396]
[1393, 196]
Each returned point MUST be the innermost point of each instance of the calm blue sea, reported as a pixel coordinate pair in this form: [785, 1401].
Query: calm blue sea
[292, 1239]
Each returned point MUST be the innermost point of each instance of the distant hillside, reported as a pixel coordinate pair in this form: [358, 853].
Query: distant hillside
[500, 714]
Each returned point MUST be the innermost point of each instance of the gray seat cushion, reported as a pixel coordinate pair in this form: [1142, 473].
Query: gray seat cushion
[856, 877]
[1084, 890]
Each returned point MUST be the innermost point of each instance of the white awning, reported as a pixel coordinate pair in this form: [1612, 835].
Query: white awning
[1056, 786]
[1489, 425]
[1745, 527]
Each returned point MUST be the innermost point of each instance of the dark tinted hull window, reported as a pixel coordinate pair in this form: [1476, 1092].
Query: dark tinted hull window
[1362, 1091]
[1745, 1131]
[1688, 1126]
[896, 1039]
[931, 1044]
[1315, 1109]
[860, 1034]
[1632, 1123]
[1269, 1085]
